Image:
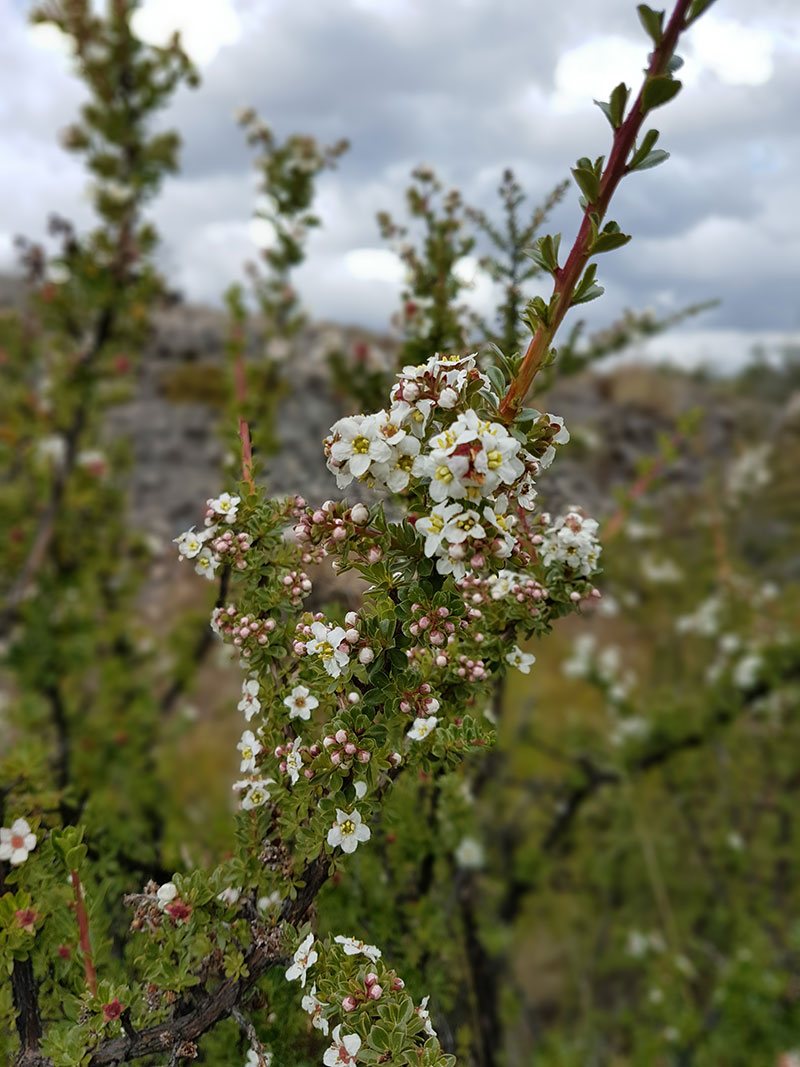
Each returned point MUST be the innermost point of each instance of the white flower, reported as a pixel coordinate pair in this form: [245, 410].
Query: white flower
[422, 727]
[294, 761]
[502, 583]
[225, 505]
[348, 830]
[745, 673]
[344, 1050]
[166, 894]
[432, 526]
[249, 704]
[361, 789]
[469, 855]
[257, 793]
[189, 543]
[355, 443]
[562, 437]
[313, 1005]
[353, 947]
[304, 957]
[16, 842]
[521, 660]
[263, 1058]
[300, 703]
[571, 540]
[205, 564]
[249, 746]
[329, 643]
[425, 1015]
[230, 895]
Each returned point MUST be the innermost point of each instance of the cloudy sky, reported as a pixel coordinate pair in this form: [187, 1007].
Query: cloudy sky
[469, 86]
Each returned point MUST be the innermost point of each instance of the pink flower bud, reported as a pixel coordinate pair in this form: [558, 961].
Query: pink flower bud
[282, 766]
[424, 689]
[363, 756]
[336, 758]
[341, 737]
[441, 661]
[375, 554]
[374, 992]
[436, 637]
[351, 636]
[370, 979]
[405, 707]
[350, 748]
[442, 612]
[349, 1003]
[575, 597]
[314, 751]
[328, 741]
[359, 515]
[339, 533]
[308, 773]
[366, 655]
[424, 622]
[319, 517]
[398, 984]
[353, 698]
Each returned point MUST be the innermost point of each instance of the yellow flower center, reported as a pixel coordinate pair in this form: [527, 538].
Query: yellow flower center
[465, 524]
[247, 753]
[495, 459]
[444, 474]
[348, 827]
[361, 445]
[405, 463]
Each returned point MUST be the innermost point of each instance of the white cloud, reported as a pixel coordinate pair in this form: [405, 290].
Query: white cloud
[734, 53]
[205, 26]
[375, 264]
[591, 70]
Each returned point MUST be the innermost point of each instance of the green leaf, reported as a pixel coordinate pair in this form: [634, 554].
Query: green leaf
[696, 10]
[611, 238]
[658, 91]
[605, 107]
[497, 378]
[587, 289]
[653, 22]
[617, 103]
[644, 149]
[652, 160]
[587, 182]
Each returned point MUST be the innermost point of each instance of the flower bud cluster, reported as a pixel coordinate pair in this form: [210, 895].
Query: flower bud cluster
[433, 627]
[343, 747]
[231, 548]
[505, 585]
[419, 702]
[328, 527]
[297, 585]
[243, 631]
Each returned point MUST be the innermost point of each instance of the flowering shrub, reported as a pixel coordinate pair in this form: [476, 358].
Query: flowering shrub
[340, 708]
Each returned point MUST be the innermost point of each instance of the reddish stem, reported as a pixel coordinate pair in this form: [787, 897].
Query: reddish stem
[240, 382]
[83, 929]
[568, 276]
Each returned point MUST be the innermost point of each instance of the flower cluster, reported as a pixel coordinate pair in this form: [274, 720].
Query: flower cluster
[572, 540]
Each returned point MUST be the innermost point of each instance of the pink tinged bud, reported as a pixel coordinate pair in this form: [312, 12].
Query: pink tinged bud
[478, 638]
[288, 580]
[374, 554]
[416, 607]
[349, 1003]
[424, 622]
[282, 766]
[414, 629]
[305, 585]
[441, 661]
[336, 758]
[575, 597]
[329, 505]
[375, 992]
[359, 515]
[270, 625]
[477, 561]
[339, 533]
[350, 748]
[298, 648]
[328, 741]
[398, 984]
[405, 707]
[596, 594]
[314, 751]
[442, 612]
[537, 539]
[319, 517]
[449, 627]
[246, 652]
[262, 639]
[370, 979]
[425, 689]
[308, 773]
[363, 756]
[366, 655]
[279, 751]
[353, 698]
[436, 638]
[351, 636]
[341, 737]
[461, 672]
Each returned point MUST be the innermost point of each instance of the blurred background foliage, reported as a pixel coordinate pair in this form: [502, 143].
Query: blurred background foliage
[616, 883]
